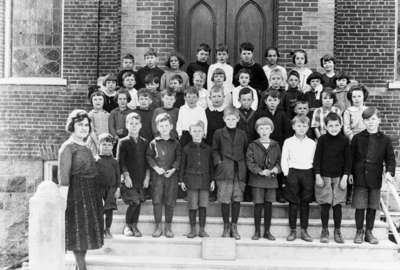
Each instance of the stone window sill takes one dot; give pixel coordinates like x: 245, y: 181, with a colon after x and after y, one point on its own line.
x: 395, y: 85
x: 33, y: 81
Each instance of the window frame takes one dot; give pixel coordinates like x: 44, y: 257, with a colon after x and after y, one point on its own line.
x: 8, y: 79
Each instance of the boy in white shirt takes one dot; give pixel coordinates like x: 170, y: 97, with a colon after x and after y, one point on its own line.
x: 244, y: 80
x: 297, y: 163
x: 188, y: 114
x: 222, y: 56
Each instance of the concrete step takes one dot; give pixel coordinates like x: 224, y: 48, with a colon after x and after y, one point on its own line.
x: 102, y: 262
x: 182, y: 247
x: 279, y: 210
x: 279, y: 227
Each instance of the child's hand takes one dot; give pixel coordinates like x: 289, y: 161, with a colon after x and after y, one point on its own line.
x: 212, y: 185
x: 117, y: 194
x: 159, y: 171
x: 169, y: 172
x: 350, y: 180
x: 319, y: 181
x: 343, y: 182
x: 183, y: 186
x: 128, y: 181
x: 389, y: 178
x: 275, y: 170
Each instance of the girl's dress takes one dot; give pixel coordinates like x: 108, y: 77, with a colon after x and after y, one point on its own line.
x: 84, y: 212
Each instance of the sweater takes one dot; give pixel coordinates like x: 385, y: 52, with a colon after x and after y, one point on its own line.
x: 246, y: 123
x: 258, y: 79
x: 116, y: 122
x: 215, y: 120
x: 108, y: 171
x: 332, y: 156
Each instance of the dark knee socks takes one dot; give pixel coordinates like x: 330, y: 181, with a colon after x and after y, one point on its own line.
x: 267, y: 215
x: 325, y: 215
x: 304, y: 214
x: 202, y: 216
x: 132, y: 213
x: 370, y: 219
x: 359, y: 216
x: 257, y: 215
x: 109, y: 217
x: 225, y: 212
x: 292, y: 215
x: 337, y: 216
x: 192, y: 217
x: 235, y: 211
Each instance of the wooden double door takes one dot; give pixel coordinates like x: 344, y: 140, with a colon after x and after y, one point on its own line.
x: 225, y: 21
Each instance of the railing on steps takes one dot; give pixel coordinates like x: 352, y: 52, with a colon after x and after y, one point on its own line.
x: 392, y: 190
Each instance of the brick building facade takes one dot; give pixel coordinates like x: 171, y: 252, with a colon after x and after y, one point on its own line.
x: 361, y: 34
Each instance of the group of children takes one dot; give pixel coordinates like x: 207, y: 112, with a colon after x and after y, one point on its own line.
x: 241, y: 133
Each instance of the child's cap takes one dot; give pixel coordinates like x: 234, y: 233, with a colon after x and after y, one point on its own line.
x: 106, y: 137
x: 369, y: 111
x: 293, y: 73
x: 264, y: 121
x: 313, y: 76
x: 151, y: 51
x: 326, y: 58
x: 109, y: 77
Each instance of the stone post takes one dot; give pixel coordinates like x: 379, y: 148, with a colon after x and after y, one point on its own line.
x: 47, y: 228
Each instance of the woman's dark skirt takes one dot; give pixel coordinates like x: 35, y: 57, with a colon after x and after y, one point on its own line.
x: 84, y: 215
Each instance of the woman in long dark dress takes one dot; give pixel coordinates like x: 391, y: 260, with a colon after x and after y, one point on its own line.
x: 77, y: 170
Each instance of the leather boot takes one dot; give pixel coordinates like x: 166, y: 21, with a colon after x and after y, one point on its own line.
x: 234, y: 231
x: 305, y: 236
x: 358, y: 239
x: 337, y: 235
x: 157, y: 230
x: 192, y: 233
x: 256, y: 235
x: 203, y: 233
x: 370, y: 238
x: 324, y: 236
x: 168, y: 231
x: 292, y: 235
x: 226, y: 232
x: 136, y: 231
x: 127, y: 231
x: 268, y: 235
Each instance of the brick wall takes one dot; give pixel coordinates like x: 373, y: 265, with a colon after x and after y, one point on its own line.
x: 110, y: 36
x: 308, y: 25
x: 147, y: 23
x: 365, y: 40
x: 388, y: 103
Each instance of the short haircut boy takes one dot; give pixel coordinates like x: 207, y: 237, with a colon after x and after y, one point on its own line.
x: 299, y: 51
x: 127, y: 74
x: 168, y: 92
x: 293, y: 73
x: 176, y: 77
x: 264, y: 121
x: 178, y: 56
x: 129, y: 56
x: 301, y: 119
x: 332, y: 116
x: 245, y: 91
x: 204, y: 47
x: 276, y: 71
x: 243, y: 71
x: 122, y: 92
x: 231, y: 111
x: 133, y: 115
x: 151, y: 51
x: 272, y: 93
x: 197, y: 123
x: 216, y: 89
x: 191, y: 91
x: 144, y: 92
x: 246, y: 46
x: 162, y: 117
x: 222, y: 48
x: 326, y: 58
x: 370, y: 111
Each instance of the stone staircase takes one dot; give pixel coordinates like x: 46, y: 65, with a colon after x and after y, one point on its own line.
x: 123, y: 253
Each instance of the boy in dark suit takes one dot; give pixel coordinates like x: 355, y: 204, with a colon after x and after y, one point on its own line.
x: 229, y: 148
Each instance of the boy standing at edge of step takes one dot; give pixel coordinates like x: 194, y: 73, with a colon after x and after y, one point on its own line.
x: 332, y: 165
x: 196, y: 177
x: 369, y: 150
x: 297, y: 163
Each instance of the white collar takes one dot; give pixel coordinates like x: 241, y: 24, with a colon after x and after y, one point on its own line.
x: 220, y: 109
